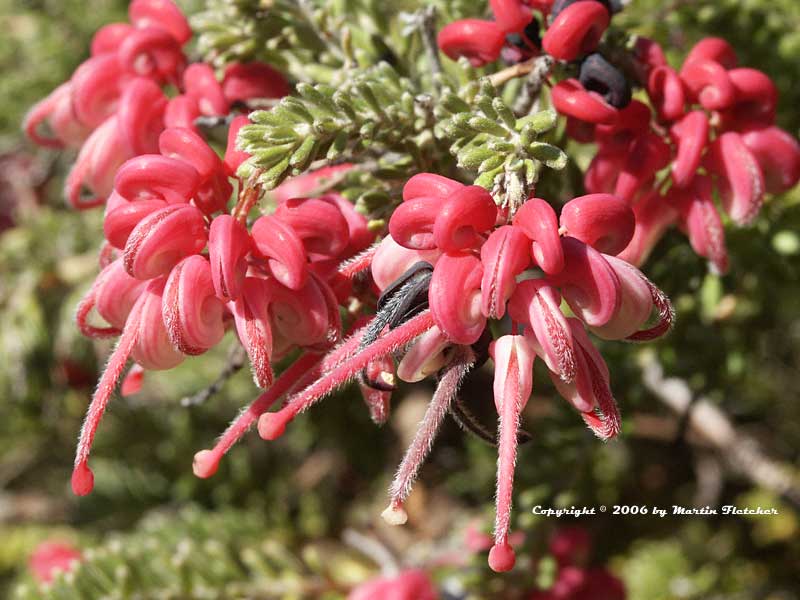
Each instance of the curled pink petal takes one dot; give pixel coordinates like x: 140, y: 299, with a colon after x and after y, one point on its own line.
x: 709, y: 83
x: 511, y: 15
x: 504, y: 255
x: 320, y: 225
x: 778, y: 155
x: 470, y: 212
x: 247, y: 81
x: 537, y: 304
x: 182, y: 111
x: 756, y: 100
x: 601, y: 176
x: 233, y: 157
x: 153, y: 349
x: 152, y: 52
x: 632, y: 121
x: 691, y: 135
x: 392, y: 260
x: 713, y: 48
x: 537, y: 220
x: 636, y: 303
x: 427, y: 185
x: 648, y: 55
x: 603, y: 221
x: 192, y: 313
x: 360, y: 237
x: 425, y: 357
x: 96, y: 87
x: 200, y: 83
x: 700, y: 219
x: 739, y: 178
x: 141, y: 115
x: 251, y: 317
x: 587, y: 283
x: 156, y: 176
x: 572, y: 99
x: 108, y: 38
x: 132, y: 384
x: 122, y: 217
x: 648, y: 155
x: 513, y: 383
x: 308, y: 317
x: 412, y: 223
x: 42, y: 114
x: 113, y: 295
x: 162, y: 239
x: 667, y: 93
x: 654, y: 215
x: 377, y: 392
x: 455, y: 297
x: 576, y: 30
x: 478, y: 41
x: 160, y: 13
x: 214, y: 189
x: 284, y: 250
x: 228, y: 246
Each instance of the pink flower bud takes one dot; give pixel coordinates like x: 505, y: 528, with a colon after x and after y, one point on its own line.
x: 359, y: 235
x: 513, y: 383
x: 427, y: 185
x: 113, y: 295
x: 248, y: 81
x: 601, y: 176
x: 251, y: 317
x: 667, y: 93
x: 708, y: 82
x: 469, y: 213
x: 283, y: 248
x: 107, y: 39
x: 160, y: 13
x: 156, y: 176
x: 308, y: 317
x: 537, y: 304
x: 412, y: 223
x: 654, y: 215
x: 228, y: 246
x: 214, y: 190
x: 587, y: 283
x: 50, y: 557
x: 123, y: 216
x: 153, y: 349
x: 537, y: 220
x: 455, y: 297
x: 713, y: 48
x: 234, y: 157
x: 479, y: 41
x: 392, y: 260
x: 572, y: 99
x: 648, y: 55
x: 701, y: 221
x: 778, y: 156
x: 141, y: 115
x: 691, y: 136
x: 576, y: 31
x: 504, y: 256
x: 152, y: 52
x: 739, y: 178
x: 192, y: 312
x: 408, y: 585
x: 162, y: 239
x: 319, y: 224
x: 511, y: 15
x: 200, y: 83
x: 602, y: 221
x: 426, y: 356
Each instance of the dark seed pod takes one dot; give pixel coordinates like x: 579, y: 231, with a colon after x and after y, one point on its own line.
x: 599, y: 75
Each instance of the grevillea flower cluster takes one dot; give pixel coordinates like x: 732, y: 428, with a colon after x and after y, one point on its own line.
x: 451, y: 278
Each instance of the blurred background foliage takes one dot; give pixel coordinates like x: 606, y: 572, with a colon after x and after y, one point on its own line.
x: 272, y: 520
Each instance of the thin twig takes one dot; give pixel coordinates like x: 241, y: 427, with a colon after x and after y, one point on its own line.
x: 532, y: 88
x: 236, y: 360
x: 427, y: 25
x: 740, y: 451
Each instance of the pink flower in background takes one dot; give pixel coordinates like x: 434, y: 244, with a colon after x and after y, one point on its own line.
x: 52, y: 557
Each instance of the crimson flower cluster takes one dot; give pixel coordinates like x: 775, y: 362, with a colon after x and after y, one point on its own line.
x: 710, y: 126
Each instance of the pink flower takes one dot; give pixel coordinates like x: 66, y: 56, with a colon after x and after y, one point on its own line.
x: 412, y: 584
x: 52, y: 557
